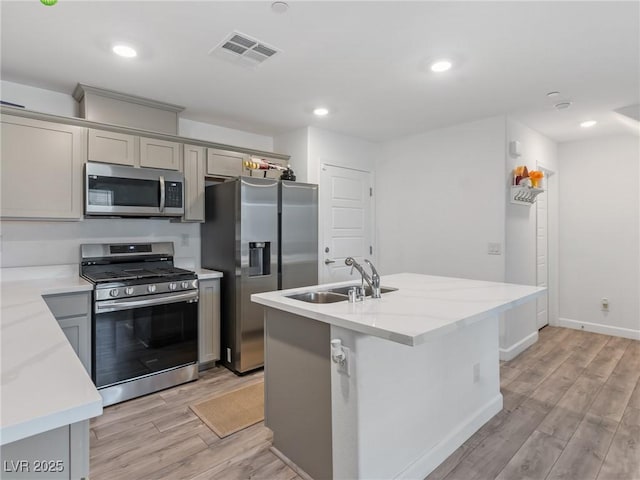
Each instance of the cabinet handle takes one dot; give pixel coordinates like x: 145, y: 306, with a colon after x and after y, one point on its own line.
x: 327, y: 261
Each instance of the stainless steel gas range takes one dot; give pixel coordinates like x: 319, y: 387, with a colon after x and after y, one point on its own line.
x: 144, y: 321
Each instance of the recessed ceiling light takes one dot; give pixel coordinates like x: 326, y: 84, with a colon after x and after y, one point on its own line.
x: 588, y: 123
x: 124, y: 51
x: 279, y: 7
x: 441, y: 66
x: 321, y: 111
x: 553, y: 94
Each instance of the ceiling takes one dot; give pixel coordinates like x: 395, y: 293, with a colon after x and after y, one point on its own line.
x: 366, y: 61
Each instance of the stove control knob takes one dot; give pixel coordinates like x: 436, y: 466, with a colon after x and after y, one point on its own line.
x: 185, y: 284
x: 128, y: 291
x: 114, y: 292
x: 151, y: 288
x: 172, y: 286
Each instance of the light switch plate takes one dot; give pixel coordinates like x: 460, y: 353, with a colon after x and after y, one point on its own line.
x: 494, y: 248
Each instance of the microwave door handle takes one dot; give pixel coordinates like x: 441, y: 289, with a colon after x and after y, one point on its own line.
x: 162, y: 194
x: 114, y: 305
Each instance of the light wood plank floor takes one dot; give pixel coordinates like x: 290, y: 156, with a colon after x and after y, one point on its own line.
x: 571, y: 411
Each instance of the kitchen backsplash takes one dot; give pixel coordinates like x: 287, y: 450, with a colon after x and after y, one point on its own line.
x: 25, y: 244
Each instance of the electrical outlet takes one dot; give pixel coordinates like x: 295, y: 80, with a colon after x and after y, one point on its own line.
x: 494, y: 248
x: 476, y: 372
x: 185, y: 240
x: 604, y: 303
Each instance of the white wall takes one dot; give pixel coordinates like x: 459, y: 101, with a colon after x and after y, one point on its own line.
x: 518, y: 329
x: 230, y: 136
x: 599, y: 234
x: 27, y: 243
x: 38, y: 99
x: 441, y: 200
x: 295, y: 144
x: 339, y: 150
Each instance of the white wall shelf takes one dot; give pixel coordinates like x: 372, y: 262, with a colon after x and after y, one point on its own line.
x: 524, y: 195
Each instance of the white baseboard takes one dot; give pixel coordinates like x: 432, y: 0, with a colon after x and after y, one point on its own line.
x: 438, y: 454
x: 516, y: 349
x: 599, y: 328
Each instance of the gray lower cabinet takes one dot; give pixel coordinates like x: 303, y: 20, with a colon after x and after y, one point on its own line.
x: 62, y: 453
x: 41, y: 169
x: 209, y: 322
x: 194, y: 173
x: 73, y: 313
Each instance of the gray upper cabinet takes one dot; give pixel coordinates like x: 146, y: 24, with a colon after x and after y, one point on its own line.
x: 124, y: 149
x: 194, y: 173
x: 225, y: 163
x: 160, y: 154
x: 112, y: 147
x: 41, y: 169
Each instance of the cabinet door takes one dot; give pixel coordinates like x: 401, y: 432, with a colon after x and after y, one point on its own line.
x: 77, y: 332
x: 160, y: 154
x: 42, y: 169
x: 209, y: 321
x: 53, y: 446
x: 73, y: 313
x: 112, y: 147
x: 225, y: 163
x: 193, y: 183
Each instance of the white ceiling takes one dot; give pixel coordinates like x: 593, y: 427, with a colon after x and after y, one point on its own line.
x: 366, y: 61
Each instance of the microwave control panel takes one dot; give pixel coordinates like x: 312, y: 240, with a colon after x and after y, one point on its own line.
x: 173, y: 194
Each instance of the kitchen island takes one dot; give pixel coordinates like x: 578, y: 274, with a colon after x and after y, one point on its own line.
x: 420, y: 374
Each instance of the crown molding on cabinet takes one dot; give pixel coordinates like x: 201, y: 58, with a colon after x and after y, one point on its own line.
x: 20, y: 112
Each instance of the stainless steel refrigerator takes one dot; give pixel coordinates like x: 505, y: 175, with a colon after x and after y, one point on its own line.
x: 263, y: 235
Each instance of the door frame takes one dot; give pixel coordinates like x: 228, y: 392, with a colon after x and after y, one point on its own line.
x: 550, y: 180
x: 322, y: 211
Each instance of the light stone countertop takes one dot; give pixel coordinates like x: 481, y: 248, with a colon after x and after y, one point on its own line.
x: 423, y: 307
x: 204, y: 274
x: 43, y: 383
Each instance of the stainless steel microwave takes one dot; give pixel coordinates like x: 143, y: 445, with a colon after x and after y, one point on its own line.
x: 123, y: 191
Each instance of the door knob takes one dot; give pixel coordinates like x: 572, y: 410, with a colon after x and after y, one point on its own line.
x: 327, y: 261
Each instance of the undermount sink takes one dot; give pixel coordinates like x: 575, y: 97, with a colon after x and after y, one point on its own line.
x: 338, y: 294
x: 367, y: 290
x: 319, y: 297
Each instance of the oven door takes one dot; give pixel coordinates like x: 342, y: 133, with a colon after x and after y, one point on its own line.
x: 136, y: 337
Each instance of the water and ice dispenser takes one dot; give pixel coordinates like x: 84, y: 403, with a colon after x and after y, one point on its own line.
x: 259, y: 258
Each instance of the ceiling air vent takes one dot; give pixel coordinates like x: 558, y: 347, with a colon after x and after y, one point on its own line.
x: 243, y: 49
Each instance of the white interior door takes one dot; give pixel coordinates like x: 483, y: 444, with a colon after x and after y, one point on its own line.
x: 345, y: 209
x: 542, y: 258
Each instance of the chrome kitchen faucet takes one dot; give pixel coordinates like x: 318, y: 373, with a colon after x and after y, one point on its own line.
x: 373, y: 280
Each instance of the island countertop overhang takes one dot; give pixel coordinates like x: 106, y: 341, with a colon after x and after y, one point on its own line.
x: 423, y: 307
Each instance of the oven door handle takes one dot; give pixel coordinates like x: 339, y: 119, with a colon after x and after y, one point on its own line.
x: 162, y: 299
